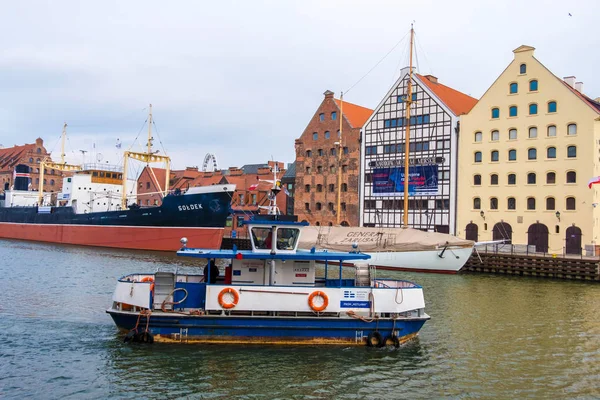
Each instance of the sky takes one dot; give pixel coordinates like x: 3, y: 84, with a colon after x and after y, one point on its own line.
x: 242, y: 79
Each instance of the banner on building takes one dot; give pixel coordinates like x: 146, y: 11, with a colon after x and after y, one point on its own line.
x: 422, y: 181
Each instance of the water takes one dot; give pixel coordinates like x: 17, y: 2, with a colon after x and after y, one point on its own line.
x: 489, y: 337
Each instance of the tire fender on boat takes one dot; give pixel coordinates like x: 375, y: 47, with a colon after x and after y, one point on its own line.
x: 374, y: 339
x: 311, y: 302
x: 234, y: 293
x: 393, y: 339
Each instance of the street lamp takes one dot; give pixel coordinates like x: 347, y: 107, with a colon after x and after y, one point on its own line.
x: 558, y: 215
x: 482, y: 214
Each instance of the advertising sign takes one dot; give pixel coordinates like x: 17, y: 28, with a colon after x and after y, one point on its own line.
x: 422, y: 181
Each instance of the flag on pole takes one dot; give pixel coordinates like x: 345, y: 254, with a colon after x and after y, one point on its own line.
x: 286, y: 191
x: 593, y: 181
x: 254, y: 186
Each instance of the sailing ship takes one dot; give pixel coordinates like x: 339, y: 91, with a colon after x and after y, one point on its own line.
x: 93, y: 208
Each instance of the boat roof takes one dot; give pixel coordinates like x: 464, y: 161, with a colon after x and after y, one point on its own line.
x: 273, y: 222
x: 300, y: 255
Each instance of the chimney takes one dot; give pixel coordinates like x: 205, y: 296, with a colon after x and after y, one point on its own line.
x: 264, y: 171
x: 431, y: 78
x: 328, y: 94
x: 570, y: 80
x: 579, y: 87
x: 235, y: 171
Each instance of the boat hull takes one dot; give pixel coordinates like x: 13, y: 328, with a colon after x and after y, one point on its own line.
x: 451, y: 261
x: 267, y: 329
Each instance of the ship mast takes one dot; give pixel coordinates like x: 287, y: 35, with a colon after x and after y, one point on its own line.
x: 339, y: 167
x: 407, y: 135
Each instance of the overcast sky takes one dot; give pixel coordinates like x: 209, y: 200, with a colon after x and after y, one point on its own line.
x: 241, y: 79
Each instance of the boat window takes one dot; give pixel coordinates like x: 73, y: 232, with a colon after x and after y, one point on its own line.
x: 94, y: 173
x: 287, y: 238
x: 261, y: 238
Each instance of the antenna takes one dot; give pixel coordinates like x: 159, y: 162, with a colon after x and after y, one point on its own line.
x: 83, y: 155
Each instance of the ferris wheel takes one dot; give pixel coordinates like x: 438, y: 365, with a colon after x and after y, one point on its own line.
x: 207, y: 158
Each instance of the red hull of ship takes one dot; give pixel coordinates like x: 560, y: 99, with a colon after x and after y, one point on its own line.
x: 122, y: 237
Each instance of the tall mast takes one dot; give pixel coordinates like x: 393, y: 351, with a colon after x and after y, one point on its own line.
x: 407, y: 135
x: 62, y: 144
x: 149, y: 132
x: 339, y: 167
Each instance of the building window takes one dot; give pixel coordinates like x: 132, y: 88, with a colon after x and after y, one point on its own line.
x: 572, y: 129
x: 532, y: 132
x: 551, y: 130
x: 442, y: 204
x: 477, y: 203
x: 478, y: 136
x: 368, y: 178
x: 493, y: 203
x: 494, y: 179
x: 307, y: 188
x: 371, y: 150
x: 320, y: 152
x: 512, y: 155
x: 333, y: 115
x: 523, y: 68
x: 533, y: 85
x: 147, y: 185
x: 512, y: 134
x: 37, y: 160
x: 308, y: 170
x: 477, y: 156
x: 254, y: 199
x: 551, y: 178
x: 531, y: 203
x: 315, y: 136
x: 31, y: 160
x: 443, y: 175
x: 514, y: 88
x: 319, y: 169
x: 495, y: 136
x: 306, y: 207
x: 39, y: 150
x: 242, y: 199
x: 332, y: 151
x: 572, y: 151
x: 495, y: 113
x: 322, y: 117
x: 512, y: 111
x: 339, y: 134
x: 51, y: 182
x: 495, y: 155
x: 512, y: 179
x: 531, y: 178
x: 308, y: 153
x: 345, y: 149
x: 343, y: 206
x: 551, y: 106
x: 570, y: 203
x: 512, y: 203
x: 571, y: 177
x: 370, y: 204
x: 319, y: 188
x: 477, y: 180
x: 344, y: 187
x: 327, y: 135
x: 533, y: 109
x: 551, y: 152
x: 550, y: 204
x: 330, y: 206
x: 532, y: 154
x: 318, y: 206
x: 332, y: 169
x: 344, y: 168
x: 331, y: 187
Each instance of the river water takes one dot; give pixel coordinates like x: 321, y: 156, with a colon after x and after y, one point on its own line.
x: 488, y: 337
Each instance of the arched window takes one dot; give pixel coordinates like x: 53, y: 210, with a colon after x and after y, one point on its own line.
x: 344, y: 187
x: 477, y: 180
x: 327, y: 134
x: 533, y: 109
x: 512, y: 111
x: 531, y: 178
x: 572, y: 129
x: 532, y: 154
x: 551, y: 106
x: 495, y: 112
x: 478, y: 136
x: 495, y: 136
x: 477, y: 203
x: 318, y: 206
x: 315, y: 136
x: 513, y: 88
x: 332, y: 151
x: 51, y: 182
x: 551, y: 130
x: 493, y: 179
x: 551, y: 178
x: 319, y: 169
x: 330, y: 206
x: 572, y: 151
x: 511, y: 203
x: 532, y: 132
x: 531, y: 203
x: 39, y: 150
x: 307, y: 188
x: 31, y: 160
x: 512, y: 179
x: 493, y: 203
x: 523, y: 68
x: 320, y: 152
x: 551, y: 152
x: 319, y: 188
x: 317, y: 223
x: 512, y: 155
x: 550, y: 203
x: 533, y: 85
x: 512, y: 134
x: 477, y: 156
x: 570, y: 203
x: 571, y: 177
x: 495, y: 155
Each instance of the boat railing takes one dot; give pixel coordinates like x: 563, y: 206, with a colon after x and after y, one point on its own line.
x: 394, y: 284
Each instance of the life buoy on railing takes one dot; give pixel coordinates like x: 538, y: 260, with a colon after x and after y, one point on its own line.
x: 311, y: 301
x: 149, y: 279
x: 231, y: 304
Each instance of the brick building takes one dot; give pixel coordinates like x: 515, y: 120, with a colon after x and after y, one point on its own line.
x: 317, y: 164
x: 30, y: 155
x: 152, y: 181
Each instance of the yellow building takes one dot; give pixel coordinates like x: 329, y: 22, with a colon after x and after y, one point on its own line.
x: 527, y: 151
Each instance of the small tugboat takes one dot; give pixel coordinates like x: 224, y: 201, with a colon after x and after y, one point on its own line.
x: 273, y: 293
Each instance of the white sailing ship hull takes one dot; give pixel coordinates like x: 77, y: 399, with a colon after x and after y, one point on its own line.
x: 450, y: 262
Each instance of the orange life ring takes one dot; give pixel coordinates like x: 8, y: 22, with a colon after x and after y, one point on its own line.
x: 234, y: 293
x: 149, y: 279
x: 311, y: 302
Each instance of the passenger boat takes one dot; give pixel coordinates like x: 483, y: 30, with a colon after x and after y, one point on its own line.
x: 273, y: 293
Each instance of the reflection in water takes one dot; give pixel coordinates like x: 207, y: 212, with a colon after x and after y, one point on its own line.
x: 489, y: 336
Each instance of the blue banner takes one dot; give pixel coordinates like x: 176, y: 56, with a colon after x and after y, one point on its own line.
x: 423, y: 181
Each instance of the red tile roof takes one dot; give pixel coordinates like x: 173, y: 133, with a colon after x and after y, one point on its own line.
x: 592, y: 103
x: 10, y: 156
x: 356, y: 115
x: 456, y: 101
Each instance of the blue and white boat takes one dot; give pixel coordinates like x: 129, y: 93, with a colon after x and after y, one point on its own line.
x: 273, y: 293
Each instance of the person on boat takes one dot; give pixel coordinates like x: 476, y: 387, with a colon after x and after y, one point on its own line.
x: 268, y: 240
x: 214, y: 271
